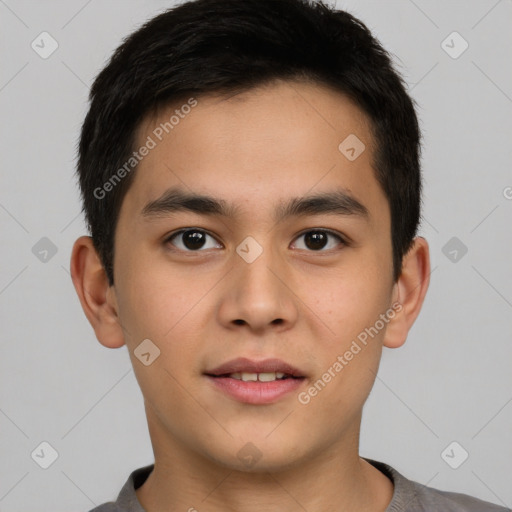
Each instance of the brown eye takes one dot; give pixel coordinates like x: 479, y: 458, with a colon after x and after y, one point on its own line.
x: 193, y: 240
x: 317, y: 240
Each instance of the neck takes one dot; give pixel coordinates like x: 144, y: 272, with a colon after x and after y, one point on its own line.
x: 337, y: 479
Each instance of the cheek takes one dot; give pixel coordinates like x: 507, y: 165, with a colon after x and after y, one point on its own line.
x: 161, y: 302
x: 149, y: 302
x: 156, y: 304
x: 349, y: 359
x: 352, y: 298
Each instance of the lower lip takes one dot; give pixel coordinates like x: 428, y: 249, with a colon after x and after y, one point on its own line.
x: 256, y: 392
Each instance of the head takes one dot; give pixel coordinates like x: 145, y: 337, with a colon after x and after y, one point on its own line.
x: 282, y: 121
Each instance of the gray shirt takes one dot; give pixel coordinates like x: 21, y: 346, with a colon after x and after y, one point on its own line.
x: 408, y: 496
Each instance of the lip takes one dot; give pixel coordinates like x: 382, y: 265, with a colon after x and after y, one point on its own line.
x: 255, y: 392
x: 242, y: 364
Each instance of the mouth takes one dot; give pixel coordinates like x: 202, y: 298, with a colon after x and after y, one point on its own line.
x: 241, y: 366
x: 256, y: 382
x: 256, y: 377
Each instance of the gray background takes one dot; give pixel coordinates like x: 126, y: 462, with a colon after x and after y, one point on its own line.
x: 451, y: 381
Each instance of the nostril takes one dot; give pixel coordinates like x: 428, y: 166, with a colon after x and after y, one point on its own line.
x: 239, y: 321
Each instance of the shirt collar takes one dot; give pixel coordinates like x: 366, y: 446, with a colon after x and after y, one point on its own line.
x: 403, y: 489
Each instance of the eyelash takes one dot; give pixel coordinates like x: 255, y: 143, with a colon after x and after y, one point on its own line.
x: 333, y: 234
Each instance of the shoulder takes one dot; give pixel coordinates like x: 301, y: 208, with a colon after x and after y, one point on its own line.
x: 411, y: 496
x: 127, y: 499
x: 108, y: 507
x: 430, y: 499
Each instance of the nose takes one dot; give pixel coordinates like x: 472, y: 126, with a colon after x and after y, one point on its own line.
x: 257, y: 296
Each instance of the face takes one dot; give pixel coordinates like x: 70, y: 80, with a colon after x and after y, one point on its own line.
x: 260, y: 271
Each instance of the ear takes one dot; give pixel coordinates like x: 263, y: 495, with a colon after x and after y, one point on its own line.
x: 409, y: 292
x: 96, y: 296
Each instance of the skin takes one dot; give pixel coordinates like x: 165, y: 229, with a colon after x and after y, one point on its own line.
x: 203, y: 308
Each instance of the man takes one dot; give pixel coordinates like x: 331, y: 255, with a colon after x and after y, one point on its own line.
x: 250, y: 176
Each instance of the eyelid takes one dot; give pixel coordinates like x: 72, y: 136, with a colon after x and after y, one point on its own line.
x: 324, y: 230
x: 342, y: 239
x: 174, y: 234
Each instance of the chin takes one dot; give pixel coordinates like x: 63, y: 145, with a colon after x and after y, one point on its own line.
x: 266, y: 463
x: 258, y: 453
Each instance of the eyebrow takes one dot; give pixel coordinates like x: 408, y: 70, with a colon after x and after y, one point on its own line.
x: 337, y: 202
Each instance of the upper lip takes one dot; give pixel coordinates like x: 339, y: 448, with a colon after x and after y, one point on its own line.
x: 242, y: 365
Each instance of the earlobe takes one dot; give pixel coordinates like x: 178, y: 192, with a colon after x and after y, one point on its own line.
x: 409, y: 292
x: 96, y: 296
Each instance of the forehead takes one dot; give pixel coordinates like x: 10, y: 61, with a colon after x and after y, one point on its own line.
x: 284, y: 139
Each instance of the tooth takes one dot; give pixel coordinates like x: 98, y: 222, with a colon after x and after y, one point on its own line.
x: 267, y: 377
x: 249, y: 376
x: 236, y: 376
x: 279, y: 375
